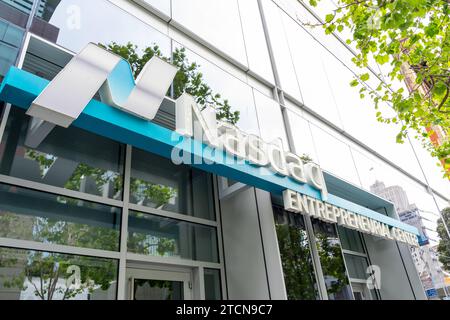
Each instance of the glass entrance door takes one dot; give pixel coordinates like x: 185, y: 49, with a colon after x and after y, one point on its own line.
x: 158, y: 285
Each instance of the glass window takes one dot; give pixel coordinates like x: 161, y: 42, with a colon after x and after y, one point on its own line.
x: 147, y: 289
x: 217, y: 22
x: 48, y: 218
x: 13, y: 36
x: 157, y: 236
x: 434, y: 173
x: 23, y: 6
x: 36, y: 275
x: 281, y: 50
x: 213, y: 288
x: 10, y: 41
x: 310, y: 59
x: 299, y: 275
x: 3, y: 28
x: 408, y: 196
x: 302, y: 136
x: 332, y: 261
x: 238, y: 94
x: 45, y: 63
x: 359, y: 120
x: 7, y: 58
x: 158, y: 183
x: 334, y: 155
x: 356, y: 266
x: 351, y: 240
x: 270, y: 119
x: 298, y: 12
x: 255, y: 40
x: 69, y: 158
x: 77, y: 23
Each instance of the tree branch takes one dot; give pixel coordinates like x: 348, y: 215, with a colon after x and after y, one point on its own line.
x: 40, y: 294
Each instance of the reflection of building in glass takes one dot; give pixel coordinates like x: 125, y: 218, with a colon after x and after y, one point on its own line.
x: 407, y: 212
x: 18, y: 11
x: 412, y: 217
x: 41, y: 23
x: 44, y: 11
x: 425, y: 257
x: 395, y: 194
x: 22, y: 5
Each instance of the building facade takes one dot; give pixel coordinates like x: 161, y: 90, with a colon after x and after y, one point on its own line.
x: 87, y: 216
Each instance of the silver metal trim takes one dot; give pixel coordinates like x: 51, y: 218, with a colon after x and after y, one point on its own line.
x: 122, y: 274
x: 173, y: 261
x: 4, y: 120
x: 320, y: 279
x: 47, y: 247
x: 172, y: 215
x: 219, y: 236
x: 229, y: 192
x: 28, y: 184
x: 355, y: 253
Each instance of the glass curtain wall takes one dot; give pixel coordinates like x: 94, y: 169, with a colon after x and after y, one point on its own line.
x: 44, y: 200
x: 13, y: 20
x: 357, y: 263
x: 297, y: 261
x: 315, y: 69
x: 332, y: 261
x: 69, y: 192
x: 295, y: 253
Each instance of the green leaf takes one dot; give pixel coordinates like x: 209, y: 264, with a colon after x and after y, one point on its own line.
x: 364, y: 77
x: 354, y: 83
x: 329, y: 17
x: 440, y: 88
x: 330, y: 29
x: 432, y: 29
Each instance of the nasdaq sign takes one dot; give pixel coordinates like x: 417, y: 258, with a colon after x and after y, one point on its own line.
x: 95, y: 69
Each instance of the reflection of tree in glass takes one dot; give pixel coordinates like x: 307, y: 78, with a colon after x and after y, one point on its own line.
x: 306, y: 158
x: 75, y: 234
x: 101, y: 177
x: 47, y: 273
x: 167, y: 294
x: 150, y: 244
x: 54, y: 230
x: 332, y: 262
x: 157, y: 194
x: 64, y: 230
x: 188, y: 79
x: 45, y: 161
x: 48, y: 268
x: 296, y: 261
